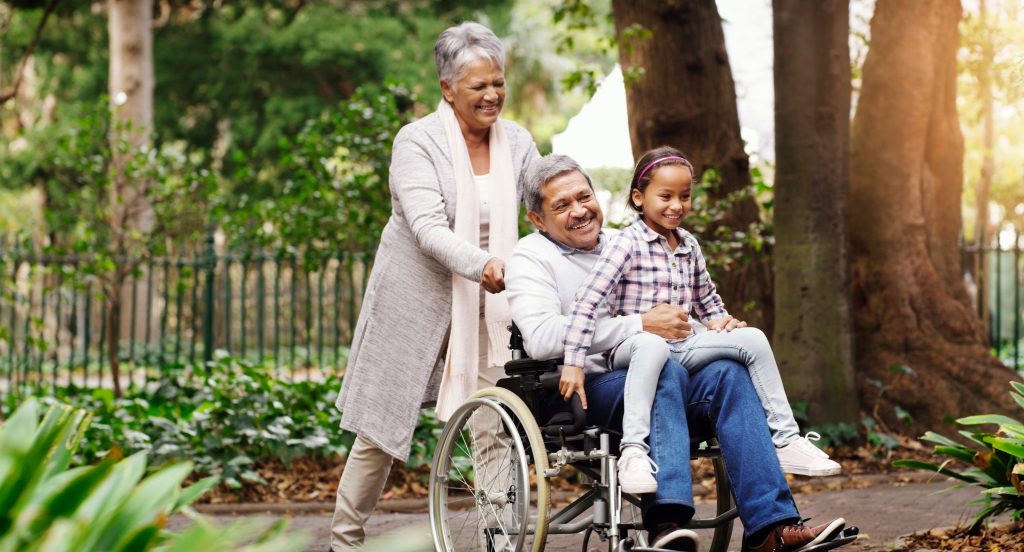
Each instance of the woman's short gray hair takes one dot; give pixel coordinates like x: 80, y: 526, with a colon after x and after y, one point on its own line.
x: 544, y: 170
x: 462, y: 44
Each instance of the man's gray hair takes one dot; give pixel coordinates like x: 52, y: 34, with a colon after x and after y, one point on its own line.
x: 462, y: 44
x: 544, y: 170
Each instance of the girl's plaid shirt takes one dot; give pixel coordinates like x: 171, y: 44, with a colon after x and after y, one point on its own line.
x: 635, y: 273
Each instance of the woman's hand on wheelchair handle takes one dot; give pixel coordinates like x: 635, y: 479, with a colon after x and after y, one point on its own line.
x: 572, y: 382
x: 493, y: 278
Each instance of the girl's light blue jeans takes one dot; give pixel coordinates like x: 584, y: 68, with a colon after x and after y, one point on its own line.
x: 644, y: 354
x: 716, y: 400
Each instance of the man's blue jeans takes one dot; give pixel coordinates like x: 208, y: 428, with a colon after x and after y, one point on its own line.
x: 717, y: 400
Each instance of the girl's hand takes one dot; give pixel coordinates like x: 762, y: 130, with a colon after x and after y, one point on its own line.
x: 493, y: 279
x: 727, y: 323
x: 572, y: 382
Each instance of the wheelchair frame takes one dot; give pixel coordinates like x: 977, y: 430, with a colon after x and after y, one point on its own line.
x: 516, y: 402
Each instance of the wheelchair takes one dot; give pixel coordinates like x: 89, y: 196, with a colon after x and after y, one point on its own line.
x: 489, y: 487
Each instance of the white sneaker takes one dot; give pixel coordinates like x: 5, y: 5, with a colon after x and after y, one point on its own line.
x: 636, y: 471
x: 801, y: 457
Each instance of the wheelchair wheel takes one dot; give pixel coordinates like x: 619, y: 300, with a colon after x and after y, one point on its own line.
x: 723, y: 533
x: 482, y: 492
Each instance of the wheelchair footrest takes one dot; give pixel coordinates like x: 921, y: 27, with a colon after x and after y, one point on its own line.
x: 846, y: 536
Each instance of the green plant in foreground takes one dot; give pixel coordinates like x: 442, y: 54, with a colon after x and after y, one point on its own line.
x: 111, y: 506
x: 996, y: 459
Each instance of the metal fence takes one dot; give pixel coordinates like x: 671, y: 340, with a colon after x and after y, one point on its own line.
x: 997, y: 294
x: 293, y: 310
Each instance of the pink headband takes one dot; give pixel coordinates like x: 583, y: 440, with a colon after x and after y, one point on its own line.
x: 656, y: 161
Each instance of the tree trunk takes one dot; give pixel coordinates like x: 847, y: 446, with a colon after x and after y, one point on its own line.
x: 687, y: 99
x: 812, y: 134
x: 980, y: 267
x: 131, y: 96
x: 909, y: 303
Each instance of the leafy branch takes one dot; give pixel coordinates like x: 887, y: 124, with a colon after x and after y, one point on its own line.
x: 51, y: 6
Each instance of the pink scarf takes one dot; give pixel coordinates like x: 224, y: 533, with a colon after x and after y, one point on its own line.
x: 462, y: 361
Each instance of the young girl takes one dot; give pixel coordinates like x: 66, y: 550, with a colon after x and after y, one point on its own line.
x: 655, y: 261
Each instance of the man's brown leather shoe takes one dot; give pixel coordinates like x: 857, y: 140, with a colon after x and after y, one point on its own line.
x: 793, y: 538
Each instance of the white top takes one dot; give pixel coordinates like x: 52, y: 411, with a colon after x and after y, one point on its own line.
x: 483, y: 191
x: 541, y: 279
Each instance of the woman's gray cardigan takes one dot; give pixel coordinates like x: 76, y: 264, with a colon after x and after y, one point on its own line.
x: 402, y: 332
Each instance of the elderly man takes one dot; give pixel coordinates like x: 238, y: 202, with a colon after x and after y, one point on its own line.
x: 542, y: 277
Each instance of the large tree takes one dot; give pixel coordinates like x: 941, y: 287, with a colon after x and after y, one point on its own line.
x: 686, y: 98
x: 812, y: 133
x: 131, y: 84
x: 909, y: 303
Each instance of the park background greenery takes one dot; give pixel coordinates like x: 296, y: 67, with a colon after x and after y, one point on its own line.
x: 272, y: 123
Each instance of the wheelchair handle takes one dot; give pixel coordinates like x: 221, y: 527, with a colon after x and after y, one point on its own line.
x: 579, y: 416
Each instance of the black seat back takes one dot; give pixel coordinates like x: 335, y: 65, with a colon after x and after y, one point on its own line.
x: 530, y: 379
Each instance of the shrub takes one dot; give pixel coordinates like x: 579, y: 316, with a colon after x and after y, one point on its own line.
x: 996, y: 460
x: 111, y: 506
x: 221, y: 421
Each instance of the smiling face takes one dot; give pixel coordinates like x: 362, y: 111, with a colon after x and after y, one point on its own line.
x: 477, y: 95
x: 666, y: 199
x: 569, y: 213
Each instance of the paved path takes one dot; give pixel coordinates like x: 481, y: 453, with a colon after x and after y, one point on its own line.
x: 882, y: 512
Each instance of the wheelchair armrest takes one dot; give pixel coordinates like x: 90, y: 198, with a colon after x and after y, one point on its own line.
x: 528, y: 366
x: 567, y: 423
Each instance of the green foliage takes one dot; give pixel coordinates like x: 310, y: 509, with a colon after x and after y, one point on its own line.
x: 586, y: 29
x: 835, y: 434
x: 330, y: 188
x: 724, y: 246
x: 877, y: 436
x: 424, y: 440
x: 222, y: 421
x: 73, y: 163
x: 110, y: 506
x: 995, y: 460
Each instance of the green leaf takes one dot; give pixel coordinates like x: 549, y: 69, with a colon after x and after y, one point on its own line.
x: 1001, y: 491
x: 65, y: 499
x: 997, y: 419
x: 153, y: 497
x: 960, y: 453
x: 1013, y: 447
x: 940, y: 439
x: 191, y: 493
x: 928, y: 466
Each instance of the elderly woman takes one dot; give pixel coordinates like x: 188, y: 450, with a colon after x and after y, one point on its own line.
x: 455, y: 187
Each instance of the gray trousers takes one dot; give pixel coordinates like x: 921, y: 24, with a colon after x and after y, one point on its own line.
x: 367, y: 468
x: 644, y: 354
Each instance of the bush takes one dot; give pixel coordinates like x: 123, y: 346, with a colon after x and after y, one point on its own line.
x: 221, y: 420
x: 111, y: 506
x: 996, y: 460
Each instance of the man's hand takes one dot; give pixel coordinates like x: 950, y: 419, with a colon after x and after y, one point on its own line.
x: 667, y: 321
x: 727, y: 323
x: 572, y: 382
x: 493, y: 279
